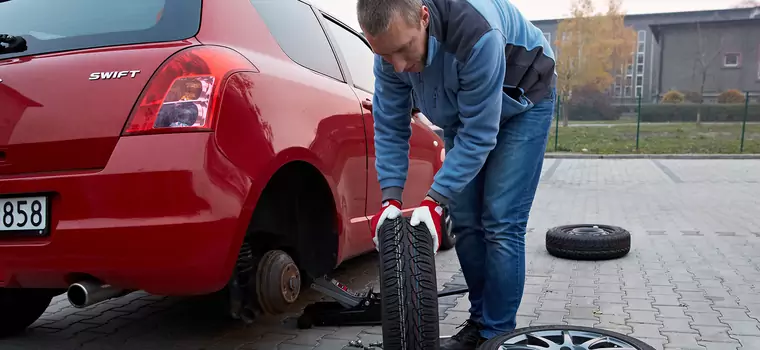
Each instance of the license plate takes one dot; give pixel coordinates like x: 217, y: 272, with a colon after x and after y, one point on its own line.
x: 23, y: 214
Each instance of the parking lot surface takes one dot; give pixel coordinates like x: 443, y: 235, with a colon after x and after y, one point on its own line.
x: 691, y: 280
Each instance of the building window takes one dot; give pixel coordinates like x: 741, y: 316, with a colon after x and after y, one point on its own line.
x: 731, y: 60
x: 642, y: 36
x: 640, y: 57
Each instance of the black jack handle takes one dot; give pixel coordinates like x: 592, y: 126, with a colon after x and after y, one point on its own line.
x: 458, y: 291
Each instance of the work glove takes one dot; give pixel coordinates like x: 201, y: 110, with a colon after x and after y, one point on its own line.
x: 390, y: 209
x: 434, y: 217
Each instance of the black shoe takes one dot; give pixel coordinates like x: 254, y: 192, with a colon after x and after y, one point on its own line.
x: 468, y: 338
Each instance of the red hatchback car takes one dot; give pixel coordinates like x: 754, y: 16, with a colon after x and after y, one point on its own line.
x: 184, y: 147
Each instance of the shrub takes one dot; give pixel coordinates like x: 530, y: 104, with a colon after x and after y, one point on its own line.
x: 588, y: 103
x: 692, y: 96
x: 731, y: 96
x: 673, y: 96
x: 688, y: 112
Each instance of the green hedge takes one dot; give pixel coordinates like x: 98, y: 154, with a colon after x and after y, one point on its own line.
x: 592, y: 112
x: 688, y: 112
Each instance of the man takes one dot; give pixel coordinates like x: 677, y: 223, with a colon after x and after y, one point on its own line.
x: 484, y: 74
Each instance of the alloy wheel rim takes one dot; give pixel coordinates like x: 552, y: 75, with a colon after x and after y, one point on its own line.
x: 560, y: 339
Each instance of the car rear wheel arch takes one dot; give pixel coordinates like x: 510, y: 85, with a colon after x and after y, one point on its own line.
x: 296, y: 213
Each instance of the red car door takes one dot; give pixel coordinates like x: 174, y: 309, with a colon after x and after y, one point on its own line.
x: 425, y: 145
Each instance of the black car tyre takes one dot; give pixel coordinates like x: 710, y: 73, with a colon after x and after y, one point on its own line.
x: 448, y: 239
x: 19, y: 308
x: 409, y: 297
x: 588, y: 242
x: 563, y: 337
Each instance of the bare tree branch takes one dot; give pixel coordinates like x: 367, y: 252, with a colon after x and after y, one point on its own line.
x: 705, y: 62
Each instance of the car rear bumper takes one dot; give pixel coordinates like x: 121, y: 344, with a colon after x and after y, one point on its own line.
x: 165, y: 215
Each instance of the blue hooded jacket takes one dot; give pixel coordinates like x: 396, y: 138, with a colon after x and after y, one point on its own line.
x: 485, y: 63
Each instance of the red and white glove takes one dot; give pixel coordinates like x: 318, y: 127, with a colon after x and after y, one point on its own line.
x: 431, y: 214
x: 390, y: 210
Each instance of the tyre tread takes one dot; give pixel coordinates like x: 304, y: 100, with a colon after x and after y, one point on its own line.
x: 408, y: 287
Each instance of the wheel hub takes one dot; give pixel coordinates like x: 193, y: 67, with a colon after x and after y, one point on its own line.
x: 290, y: 283
x: 278, y: 282
x: 592, y: 231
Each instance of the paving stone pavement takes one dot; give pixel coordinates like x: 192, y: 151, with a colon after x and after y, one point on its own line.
x: 691, y: 281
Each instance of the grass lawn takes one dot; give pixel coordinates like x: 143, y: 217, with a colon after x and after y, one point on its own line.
x: 671, y: 138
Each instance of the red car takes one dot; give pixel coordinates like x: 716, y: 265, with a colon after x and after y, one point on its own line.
x: 183, y: 147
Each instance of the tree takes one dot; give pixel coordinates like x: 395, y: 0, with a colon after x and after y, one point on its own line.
x: 589, y: 47
x: 622, y: 40
x: 703, y: 60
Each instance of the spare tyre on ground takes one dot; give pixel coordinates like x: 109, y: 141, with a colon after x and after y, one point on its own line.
x: 588, y: 242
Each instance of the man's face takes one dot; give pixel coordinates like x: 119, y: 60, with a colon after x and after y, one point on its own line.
x: 403, y: 45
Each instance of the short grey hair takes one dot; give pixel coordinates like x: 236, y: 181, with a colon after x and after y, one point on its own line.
x: 375, y: 15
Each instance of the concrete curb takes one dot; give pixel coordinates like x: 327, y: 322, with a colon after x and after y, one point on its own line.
x: 650, y: 156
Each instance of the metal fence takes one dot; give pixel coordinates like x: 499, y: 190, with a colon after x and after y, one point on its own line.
x: 662, y: 128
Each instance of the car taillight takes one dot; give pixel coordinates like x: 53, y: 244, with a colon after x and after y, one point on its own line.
x: 183, y: 94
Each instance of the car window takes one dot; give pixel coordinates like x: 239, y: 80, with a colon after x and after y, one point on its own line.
x: 56, y: 26
x: 359, y: 56
x: 296, y: 28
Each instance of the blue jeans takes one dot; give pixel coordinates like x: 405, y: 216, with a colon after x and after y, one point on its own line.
x: 490, y: 217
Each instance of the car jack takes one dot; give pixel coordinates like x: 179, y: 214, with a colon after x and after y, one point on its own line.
x: 349, y: 308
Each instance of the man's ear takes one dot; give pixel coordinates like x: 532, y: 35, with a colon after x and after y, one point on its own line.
x: 424, y: 16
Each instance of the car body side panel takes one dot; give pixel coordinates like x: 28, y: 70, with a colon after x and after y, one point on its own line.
x: 259, y: 134
x: 289, y: 113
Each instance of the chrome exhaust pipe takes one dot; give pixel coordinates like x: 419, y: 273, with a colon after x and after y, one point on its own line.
x: 85, y: 293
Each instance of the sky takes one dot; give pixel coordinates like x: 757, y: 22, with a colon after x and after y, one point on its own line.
x: 550, y: 9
